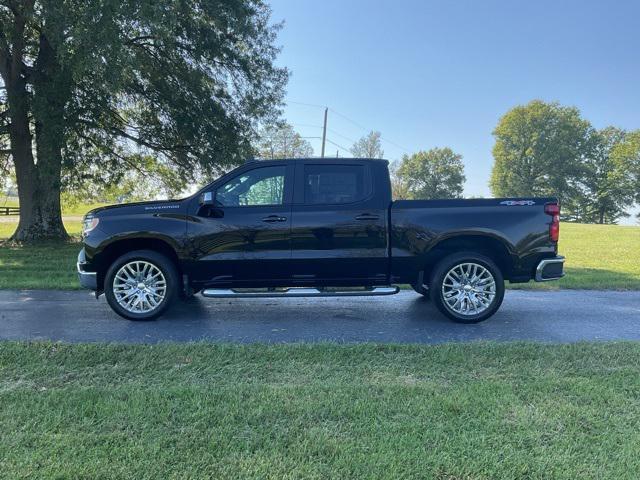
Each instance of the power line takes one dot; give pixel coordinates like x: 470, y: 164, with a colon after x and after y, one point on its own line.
x: 308, y: 125
x: 395, y: 144
x: 307, y: 104
x: 368, y: 130
x: 349, y: 120
x: 341, y: 136
x: 337, y: 145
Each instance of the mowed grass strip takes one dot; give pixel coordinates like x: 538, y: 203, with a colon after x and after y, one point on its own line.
x: 44, y: 265
x: 319, y: 411
x: 48, y: 265
x: 7, y: 228
x: 598, y: 257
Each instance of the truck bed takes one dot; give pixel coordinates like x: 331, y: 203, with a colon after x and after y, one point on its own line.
x: 423, y: 230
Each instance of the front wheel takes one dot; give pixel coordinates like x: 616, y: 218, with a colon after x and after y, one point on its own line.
x: 467, y: 287
x: 141, y: 285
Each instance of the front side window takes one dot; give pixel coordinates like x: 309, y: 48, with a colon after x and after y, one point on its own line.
x: 334, y: 184
x: 260, y: 186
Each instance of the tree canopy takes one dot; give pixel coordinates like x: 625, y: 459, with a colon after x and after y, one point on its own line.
x: 92, y: 86
x: 368, y: 146
x: 435, y: 173
x: 280, y: 140
x: 604, y: 190
x: 539, y: 150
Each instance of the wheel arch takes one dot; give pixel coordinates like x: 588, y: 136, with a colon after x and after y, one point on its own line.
x: 489, y: 246
x: 119, y: 247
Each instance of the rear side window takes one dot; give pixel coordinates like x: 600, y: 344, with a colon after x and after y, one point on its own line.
x: 335, y: 184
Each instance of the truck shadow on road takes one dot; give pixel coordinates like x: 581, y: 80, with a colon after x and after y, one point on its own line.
x: 416, y: 312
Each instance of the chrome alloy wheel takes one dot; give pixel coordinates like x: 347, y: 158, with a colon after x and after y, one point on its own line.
x: 139, y: 287
x: 468, y: 289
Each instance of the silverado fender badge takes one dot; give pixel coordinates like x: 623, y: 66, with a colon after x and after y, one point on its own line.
x: 161, y: 207
x: 512, y: 203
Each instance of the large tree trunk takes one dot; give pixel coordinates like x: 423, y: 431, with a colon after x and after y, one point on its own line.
x: 39, y: 183
x: 39, y: 195
x: 38, y: 192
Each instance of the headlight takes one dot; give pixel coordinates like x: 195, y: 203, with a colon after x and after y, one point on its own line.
x: 89, y: 223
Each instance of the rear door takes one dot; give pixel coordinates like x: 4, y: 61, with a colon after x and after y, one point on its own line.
x: 339, y: 224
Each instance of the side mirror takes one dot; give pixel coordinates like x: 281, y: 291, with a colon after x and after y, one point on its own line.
x: 207, y: 199
x: 209, y: 207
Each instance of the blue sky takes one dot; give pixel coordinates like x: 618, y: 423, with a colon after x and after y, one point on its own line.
x: 441, y: 73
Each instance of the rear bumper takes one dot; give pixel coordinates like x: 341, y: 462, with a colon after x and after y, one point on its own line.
x: 550, y: 269
x: 86, y: 278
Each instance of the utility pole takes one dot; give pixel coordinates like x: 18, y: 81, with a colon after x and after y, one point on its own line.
x: 324, y: 132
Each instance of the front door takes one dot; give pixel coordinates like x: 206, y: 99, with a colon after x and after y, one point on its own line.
x: 245, y: 238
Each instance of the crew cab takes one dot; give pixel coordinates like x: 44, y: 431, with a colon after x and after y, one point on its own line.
x: 317, y: 227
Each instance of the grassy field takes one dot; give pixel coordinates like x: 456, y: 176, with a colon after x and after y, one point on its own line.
x: 598, y: 257
x: 320, y: 411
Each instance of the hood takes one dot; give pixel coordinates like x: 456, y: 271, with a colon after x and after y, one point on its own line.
x: 155, y: 206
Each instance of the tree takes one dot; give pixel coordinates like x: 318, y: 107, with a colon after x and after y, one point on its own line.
x: 435, y: 173
x: 539, y: 150
x: 399, y: 189
x: 627, y: 156
x: 368, y: 146
x: 605, y: 190
x: 280, y: 140
x: 106, y: 82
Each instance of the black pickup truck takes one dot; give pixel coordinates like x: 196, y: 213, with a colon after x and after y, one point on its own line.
x: 317, y: 227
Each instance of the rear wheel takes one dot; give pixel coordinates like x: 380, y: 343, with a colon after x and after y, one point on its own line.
x: 141, y: 285
x: 467, y: 287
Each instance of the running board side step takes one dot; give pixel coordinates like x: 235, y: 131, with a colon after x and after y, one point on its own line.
x: 297, y: 292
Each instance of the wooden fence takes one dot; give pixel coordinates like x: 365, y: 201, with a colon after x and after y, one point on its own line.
x: 9, y: 210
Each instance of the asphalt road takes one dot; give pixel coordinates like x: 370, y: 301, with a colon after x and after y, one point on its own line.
x: 561, y: 316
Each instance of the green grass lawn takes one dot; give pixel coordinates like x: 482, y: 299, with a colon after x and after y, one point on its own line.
x: 598, y: 257
x: 320, y: 411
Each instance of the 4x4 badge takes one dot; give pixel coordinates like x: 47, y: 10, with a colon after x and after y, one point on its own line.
x: 512, y: 203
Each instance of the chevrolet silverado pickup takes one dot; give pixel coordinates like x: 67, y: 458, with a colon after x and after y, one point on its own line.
x: 317, y: 227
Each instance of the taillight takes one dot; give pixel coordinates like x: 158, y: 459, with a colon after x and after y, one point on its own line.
x: 553, y: 209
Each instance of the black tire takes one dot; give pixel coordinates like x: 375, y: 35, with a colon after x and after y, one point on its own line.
x: 162, y: 263
x: 421, y: 290
x: 445, y: 265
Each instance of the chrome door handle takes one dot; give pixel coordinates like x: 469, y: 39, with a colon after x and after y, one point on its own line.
x: 274, y: 218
